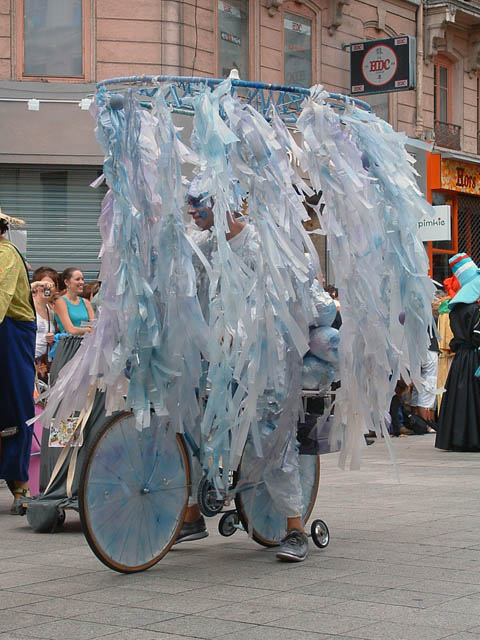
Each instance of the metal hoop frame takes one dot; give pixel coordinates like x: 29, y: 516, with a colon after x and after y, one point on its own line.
x: 286, y: 99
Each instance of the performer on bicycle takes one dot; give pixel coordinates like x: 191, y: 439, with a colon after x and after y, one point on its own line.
x: 283, y: 479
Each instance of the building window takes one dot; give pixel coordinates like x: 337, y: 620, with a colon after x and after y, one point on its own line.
x: 447, y: 134
x: 478, y: 115
x: 52, y: 39
x: 441, y: 92
x: 380, y: 104
x: 233, y: 37
x: 297, y: 49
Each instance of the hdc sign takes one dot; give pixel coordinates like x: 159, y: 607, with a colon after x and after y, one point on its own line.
x: 380, y: 66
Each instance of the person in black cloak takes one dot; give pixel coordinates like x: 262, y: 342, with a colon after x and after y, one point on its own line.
x: 459, y: 421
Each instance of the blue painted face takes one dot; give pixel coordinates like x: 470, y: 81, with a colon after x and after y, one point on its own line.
x: 201, y: 212
x: 200, y: 207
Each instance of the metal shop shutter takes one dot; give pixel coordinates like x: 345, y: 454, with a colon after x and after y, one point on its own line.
x: 61, y: 211
x: 469, y: 226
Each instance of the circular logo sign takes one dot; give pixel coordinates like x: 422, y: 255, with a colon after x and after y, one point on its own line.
x: 379, y: 65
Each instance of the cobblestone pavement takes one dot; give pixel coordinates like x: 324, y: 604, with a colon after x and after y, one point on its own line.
x: 403, y: 563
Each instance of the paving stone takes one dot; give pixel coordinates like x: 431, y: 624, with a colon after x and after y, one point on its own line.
x: 141, y: 634
x: 251, y: 611
x: 68, y: 630
x: 319, y: 623
x: 417, y: 599
x: 271, y: 633
x: 232, y: 593
x: 150, y: 582
x: 464, y: 635
x: 11, y: 599
x: 66, y: 607
x: 397, y: 631
x: 438, y: 617
x: 294, y: 580
x: 11, y: 620
x: 124, y: 616
x: 446, y: 588
x: 469, y: 604
x: 294, y: 601
x: 197, y: 627
x: 62, y: 587
x: 34, y: 575
x: 185, y: 603
x: 377, y: 580
x: 116, y: 595
x: 340, y: 589
x: 368, y: 610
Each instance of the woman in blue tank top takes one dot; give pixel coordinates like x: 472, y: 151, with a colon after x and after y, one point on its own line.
x: 71, y: 309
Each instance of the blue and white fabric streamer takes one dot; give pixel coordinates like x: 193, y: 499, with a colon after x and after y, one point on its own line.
x: 149, y: 321
x: 260, y: 302
x: 372, y: 205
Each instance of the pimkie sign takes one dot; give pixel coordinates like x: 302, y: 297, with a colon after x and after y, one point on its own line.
x: 381, y: 66
x: 437, y: 227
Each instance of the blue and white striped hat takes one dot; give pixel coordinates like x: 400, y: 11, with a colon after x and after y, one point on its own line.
x: 468, y: 275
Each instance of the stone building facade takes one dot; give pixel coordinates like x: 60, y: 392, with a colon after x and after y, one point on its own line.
x: 55, y: 50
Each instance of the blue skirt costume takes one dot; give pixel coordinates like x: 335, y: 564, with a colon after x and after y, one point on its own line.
x: 17, y: 378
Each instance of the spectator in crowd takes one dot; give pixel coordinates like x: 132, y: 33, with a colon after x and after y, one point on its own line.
x: 17, y: 373
x: 398, y: 428
x: 423, y: 399
x: 90, y: 290
x: 445, y: 356
x: 333, y: 291
x: 71, y: 310
x: 44, y: 288
x: 459, y: 421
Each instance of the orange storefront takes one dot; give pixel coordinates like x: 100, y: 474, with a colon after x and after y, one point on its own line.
x: 454, y: 182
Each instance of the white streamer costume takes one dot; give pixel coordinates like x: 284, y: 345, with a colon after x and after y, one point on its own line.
x: 281, y: 476
x: 260, y: 304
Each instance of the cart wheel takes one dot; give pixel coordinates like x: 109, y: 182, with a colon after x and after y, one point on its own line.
x: 256, y: 510
x: 133, y: 493
x: 228, y: 523
x: 208, y: 501
x: 320, y: 534
x: 61, y: 515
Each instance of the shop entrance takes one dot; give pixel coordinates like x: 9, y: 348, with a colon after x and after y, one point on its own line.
x: 465, y: 233
x: 469, y: 226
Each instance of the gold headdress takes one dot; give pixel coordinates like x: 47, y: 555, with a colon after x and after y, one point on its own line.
x: 13, y: 221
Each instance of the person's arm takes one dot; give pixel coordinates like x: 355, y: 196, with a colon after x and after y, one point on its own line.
x: 61, y: 310
x: 10, y: 265
x: 91, y: 312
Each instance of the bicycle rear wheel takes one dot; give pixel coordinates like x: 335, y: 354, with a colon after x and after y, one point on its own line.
x: 133, y: 493
x: 256, y: 510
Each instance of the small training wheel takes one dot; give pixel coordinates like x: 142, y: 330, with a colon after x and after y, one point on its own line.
x: 60, y: 517
x: 208, y: 501
x: 320, y: 534
x: 228, y: 523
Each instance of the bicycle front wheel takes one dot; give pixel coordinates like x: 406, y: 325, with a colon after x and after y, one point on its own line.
x: 133, y: 493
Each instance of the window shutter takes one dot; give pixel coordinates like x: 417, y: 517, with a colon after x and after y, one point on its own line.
x: 61, y: 211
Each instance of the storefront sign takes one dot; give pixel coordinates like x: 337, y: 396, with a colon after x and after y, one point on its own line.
x: 437, y: 227
x: 460, y: 176
x: 380, y: 66
x: 230, y: 37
